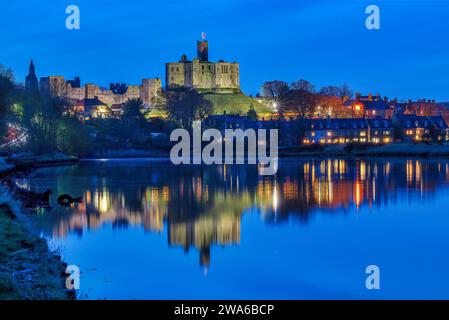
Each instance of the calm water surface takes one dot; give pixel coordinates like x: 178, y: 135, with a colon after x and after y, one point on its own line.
x: 151, y: 230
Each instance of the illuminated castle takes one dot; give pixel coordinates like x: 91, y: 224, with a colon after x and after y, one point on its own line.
x: 202, y: 74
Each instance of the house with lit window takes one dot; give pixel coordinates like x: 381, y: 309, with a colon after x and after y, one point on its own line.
x: 330, y: 131
x: 413, y: 127
x: 316, y: 131
x: 370, y: 106
x: 381, y: 130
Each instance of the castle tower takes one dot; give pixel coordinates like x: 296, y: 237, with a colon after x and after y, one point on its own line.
x: 31, y: 84
x: 202, y: 50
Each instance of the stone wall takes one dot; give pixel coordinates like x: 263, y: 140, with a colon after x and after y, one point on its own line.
x: 57, y: 86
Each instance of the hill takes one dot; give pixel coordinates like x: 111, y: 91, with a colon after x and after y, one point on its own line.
x: 235, y: 103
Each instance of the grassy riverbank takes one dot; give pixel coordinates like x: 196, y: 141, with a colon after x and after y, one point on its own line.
x: 28, y: 269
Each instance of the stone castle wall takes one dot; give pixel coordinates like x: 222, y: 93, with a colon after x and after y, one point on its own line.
x: 57, y: 86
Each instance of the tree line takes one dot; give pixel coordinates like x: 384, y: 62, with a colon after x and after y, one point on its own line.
x: 300, y: 98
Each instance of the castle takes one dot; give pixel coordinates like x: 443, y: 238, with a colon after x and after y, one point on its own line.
x: 200, y: 74
x: 203, y: 75
x: 118, y: 93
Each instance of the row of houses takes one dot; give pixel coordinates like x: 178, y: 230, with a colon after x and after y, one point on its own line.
x: 374, y: 106
x: 342, y: 130
x: 332, y: 131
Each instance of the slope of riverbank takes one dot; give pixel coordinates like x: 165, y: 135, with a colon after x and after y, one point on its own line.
x: 28, y: 159
x: 28, y: 269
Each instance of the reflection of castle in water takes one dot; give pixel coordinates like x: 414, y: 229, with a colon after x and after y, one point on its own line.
x: 202, y: 206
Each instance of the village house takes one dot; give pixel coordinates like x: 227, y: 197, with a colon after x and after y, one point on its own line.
x: 370, y: 106
x: 380, y: 130
x: 96, y: 108
x: 413, y: 127
x: 422, y: 128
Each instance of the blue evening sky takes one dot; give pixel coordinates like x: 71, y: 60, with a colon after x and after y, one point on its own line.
x: 324, y: 41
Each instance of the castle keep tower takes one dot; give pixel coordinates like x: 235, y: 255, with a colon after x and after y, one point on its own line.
x: 202, y: 50
x: 203, y: 75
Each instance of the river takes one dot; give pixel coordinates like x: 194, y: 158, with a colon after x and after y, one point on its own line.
x: 150, y: 230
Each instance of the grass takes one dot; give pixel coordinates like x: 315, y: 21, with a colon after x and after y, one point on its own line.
x: 235, y: 103
x: 28, y: 270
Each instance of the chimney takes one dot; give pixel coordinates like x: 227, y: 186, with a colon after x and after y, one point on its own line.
x: 370, y: 96
x: 386, y: 100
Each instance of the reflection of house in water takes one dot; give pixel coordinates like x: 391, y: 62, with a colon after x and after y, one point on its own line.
x: 339, y: 184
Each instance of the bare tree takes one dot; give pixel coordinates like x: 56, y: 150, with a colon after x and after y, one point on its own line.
x: 275, y: 89
x: 342, y: 91
x: 303, y: 85
x: 346, y: 91
x: 300, y: 102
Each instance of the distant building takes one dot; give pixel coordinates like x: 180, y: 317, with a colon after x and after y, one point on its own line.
x: 31, y: 84
x: 96, y: 108
x: 117, y: 110
x: 202, y: 74
x: 370, y: 106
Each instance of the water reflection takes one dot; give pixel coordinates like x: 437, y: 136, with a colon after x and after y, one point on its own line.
x: 202, y: 206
